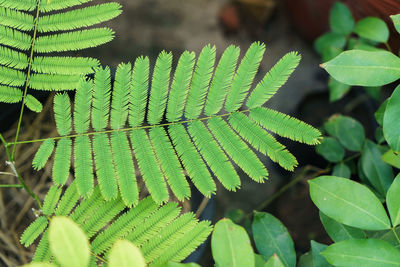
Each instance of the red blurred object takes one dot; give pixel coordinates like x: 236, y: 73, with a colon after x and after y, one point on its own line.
x: 311, y: 17
x: 230, y: 18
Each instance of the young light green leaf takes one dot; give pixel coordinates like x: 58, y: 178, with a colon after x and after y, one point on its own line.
x: 125, y: 254
x: 337, y: 89
x: 318, y: 259
x: 337, y: 231
x: 43, y: 154
x: 391, y: 158
x: 393, y: 201
x: 373, y: 29
x: 271, y: 237
x: 34, y: 230
x: 341, y: 170
x: 68, y: 243
x: 396, y: 21
x: 362, y: 252
x: 230, y: 245
x: 177, y: 264
x: 274, y: 261
x: 341, y: 19
x: 391, y: 120
x: 329, y: 40
x: 39, y: 264
x: 330, y: 149
x: 349, y: 203
x: 365, y: 68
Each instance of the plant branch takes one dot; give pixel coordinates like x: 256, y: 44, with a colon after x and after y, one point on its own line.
x: 11, y: 185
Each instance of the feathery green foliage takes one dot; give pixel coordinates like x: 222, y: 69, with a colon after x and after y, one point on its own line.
x: 52, y: 197
x: 157, y: 230
x: 10, y: 94
x: 21, y: 21
x: 43, y: 154
x: 164, y: 151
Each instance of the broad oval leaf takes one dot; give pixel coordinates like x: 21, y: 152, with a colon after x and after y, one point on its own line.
x: 396, y: 21
x: 365, y: 68
x: 230, y: 245
x: 68, y: 243
x: 328, y: 41
x: 177, y: 264
x: 337, y: 231
x: 373, y: 29
x: 271, y: 237
x: 379, y: 114
x: 391, y: 120
x: 341, y: 170
x: 331, y: 149
x: 392, y: 158
x: 362, y: 252
x: 341, y: 20
x: 318, y: 259
x: 393, y: 201
x: 39, y: 264
x: 349, y: 203
x: 337, y: 89
x: 274, y: 261
x: 125, y: 254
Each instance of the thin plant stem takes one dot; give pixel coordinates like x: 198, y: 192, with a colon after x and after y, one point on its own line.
x: 28, y: 76
x: 7, y: 173
x: 202, y: 206
x: 388, y: 47
x: 11, y: 185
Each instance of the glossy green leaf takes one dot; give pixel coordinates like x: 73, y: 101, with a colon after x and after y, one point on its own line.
x: 259, y: 260
x: 39, y: 264
x: 392, y: 158
x: 337, y: 231
x: 373, y: 29
x: 365, y: 68
x: 68, y: 243
x: 362, y: 252
x: 379, y: 174
x: 393, y: 201
x: 391, y: 121
x: 349, y: 203
x: 271, y: 237
x: 125, y: 254
x: 329, y: 40
x: 379, y: 135
x: 306, y: 260
x: 177, y: 264
x: 390, y: 236
x: 318, y: 259
x: 396, y: 21
x: 341, y: 20
x: 381, y: 112
x: 341, y: 170
x: 274, y: 261
x: 337, y: 89
x: 347, y: 130
x: 230, y: 245
x: 330, y: 149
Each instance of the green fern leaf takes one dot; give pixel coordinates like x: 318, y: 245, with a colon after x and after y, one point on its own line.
x: 238, y: 151
x: 83, y: 165
x: 62, y: 161
x: 120, y: 96
x: 273, y: 80
x: 88, y: 206
x: 148, y: 166
x: 33, y: 231
x: 262, y: 141
x: 62, y: 113
x: 159, y: 88
x: 42, y: 253
x: 43, y: 154
x: 14, y: 38
x: 169, y: 163
x: 79, y: 18
x: 214, y: 156
x: 26, y: 5
x: 191, y: 160
x: 13, y: 59
x: 65, y: 65
x: 51, y: 199
x: 52, y: 5
x: 33, y: 104
x: 244, y: 76
x: 10, y: 94
x: 124, y: 168
x: 11, y: 77
x: 140, y: 85
x: 83, y: 99
x: 67, y: 201
x: 222, y: 80
x: 285, y: 125
x: 16, y: 19
x: 101, y: 99
x: 180, y: 86
x: 51, y: 82
x: 200, y: 82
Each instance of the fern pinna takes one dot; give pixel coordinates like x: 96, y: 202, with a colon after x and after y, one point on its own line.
x: 167, y: 129
x: 162, y: 233
x: 31, y: 29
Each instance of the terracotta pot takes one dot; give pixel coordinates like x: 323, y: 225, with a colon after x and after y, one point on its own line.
x: 311, y: 17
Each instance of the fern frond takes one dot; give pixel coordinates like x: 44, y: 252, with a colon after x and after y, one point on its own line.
x: 42, y: 253
x: 192, y: 161
x: 101, y: 99
x: 43, y: 154
x: 159, y: 88
x: 120, y: 96
x: 200, y: 82
x: 62, y: 113
x: 72, y: 41
x: 33, y: 104
x: 148, y: 166
x: 124, y: 168
x: 54, y: 82
x: 65, y: 65
x: 140, y: 86
x: 83, y: 100
x: 34, y: 230
x: 52, y: 5
x: 180, y: 86
x: 237, y: 150
x: 16, y: 19
x: 222, y: 80
x: 11, y: 77
x: 14, y: 38
x: 88, y: 206
x: 244, y: 76
x: 62, y: 161
x: 262, y: 141
x: 214, y: 156
x: 13, y: 59
x: 83, y: 165
x: 79, y: 18
x: 10, y: 94
x: 67, y: 201
x: 51, y: 199
x: 169, y: 163
x: 273, y: 80
x: 26, y: 5
x: 285, y: 126
x: 104, y: 166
